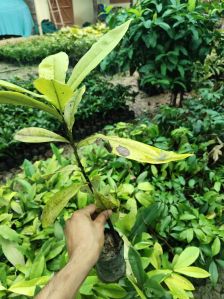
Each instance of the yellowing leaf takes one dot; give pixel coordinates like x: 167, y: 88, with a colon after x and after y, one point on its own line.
x: 16, y: 98
x: 54, y: 67
x: 104, y: 202
x: 15, y: 87
x: 38, y: 135
x: 57, y: 93
x: 27, y: 288
x: 72, y: 106
x: 191, y: 5
x: 181, y: 282
x: 96, y: 54
x: 193, y: 272
x: 135, y: 150
x: 57, y: 203
x: 176, y: 291
x: 186, y: 258
x: 155, y: 258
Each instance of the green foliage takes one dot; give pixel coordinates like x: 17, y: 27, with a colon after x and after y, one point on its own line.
x: 100, y: 99
x: 74, y: 41
x: 164, y: 41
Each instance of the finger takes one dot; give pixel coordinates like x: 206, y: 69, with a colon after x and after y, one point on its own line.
x: 102, y: 217
x: 91, y: 209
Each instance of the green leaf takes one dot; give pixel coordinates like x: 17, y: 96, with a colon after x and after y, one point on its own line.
x: 16, y: 98
x: 9, y: 234
x: 54, y: 67
x: 213, y: 270
x: 186, y: 258
x: 87, y: 285
x: 135, y: 150
x: 145, y: 186
x: 191, y: 5
x: 27, y: 288
x: 111, y: 290
x: 11, y: 252
x: 193, y: 272
x: 138, y: 291
x: 37, y: 267
x: 57, y: 203
x: 136, y: 266
x: 57, y: 93
x: 144, y: 218
x: 96, y: 54
x: 216, y: 246
x: 72, y: 106
x: 38, y: 135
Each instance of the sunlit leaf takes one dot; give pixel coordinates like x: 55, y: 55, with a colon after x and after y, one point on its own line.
x: 57, y: 93
x: 96, y: 54
x: 28, y: 287
x: 16, y: 98
x: 186, y: 258
x: 72, y: 106
x: 15, y: 87
x: 38, y: 135
x: 54, y: 67
x: 193, y: 272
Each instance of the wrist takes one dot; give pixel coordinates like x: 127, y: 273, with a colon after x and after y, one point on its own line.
x: 88, y: 257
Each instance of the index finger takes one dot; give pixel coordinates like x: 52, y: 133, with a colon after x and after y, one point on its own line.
x: 91, y: 209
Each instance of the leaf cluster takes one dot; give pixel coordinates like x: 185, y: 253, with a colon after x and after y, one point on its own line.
x: 164, y: 41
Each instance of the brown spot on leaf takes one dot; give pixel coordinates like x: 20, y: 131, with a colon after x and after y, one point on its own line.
x: 123, y: 151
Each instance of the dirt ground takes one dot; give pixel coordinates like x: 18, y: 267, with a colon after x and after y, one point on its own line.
x: 143, y: 104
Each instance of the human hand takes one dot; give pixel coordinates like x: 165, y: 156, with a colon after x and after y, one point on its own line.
x: 84, y: 235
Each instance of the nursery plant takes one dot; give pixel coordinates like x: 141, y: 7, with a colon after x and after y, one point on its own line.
x: 61, y: 100
x: 164, y: 41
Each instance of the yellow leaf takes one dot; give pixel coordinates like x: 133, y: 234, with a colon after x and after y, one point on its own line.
x: 54, y: 67
x: 135, y: 150
x: 193, y: 272
x: 175, y: 289
x: 38, y: 135
x: 182, y: 282
x: 57, y: 93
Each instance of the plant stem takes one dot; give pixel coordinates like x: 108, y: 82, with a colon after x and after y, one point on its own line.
x: 110, y: 224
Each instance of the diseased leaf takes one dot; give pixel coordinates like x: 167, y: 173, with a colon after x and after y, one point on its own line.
x: 54, y: 67
x: 38, y: 135
x: 72, y: 106
x: 57, y: 203
x: 135, y: 150
x: 16, y: 98
x: 96, y: 54
x: 57, y: 93
x: 186, y: 258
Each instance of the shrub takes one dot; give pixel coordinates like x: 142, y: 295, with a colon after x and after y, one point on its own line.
x: 74, y: 41
x: 165, y: 39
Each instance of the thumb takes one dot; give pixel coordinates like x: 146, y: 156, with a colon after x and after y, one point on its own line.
x: 102, y: 217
